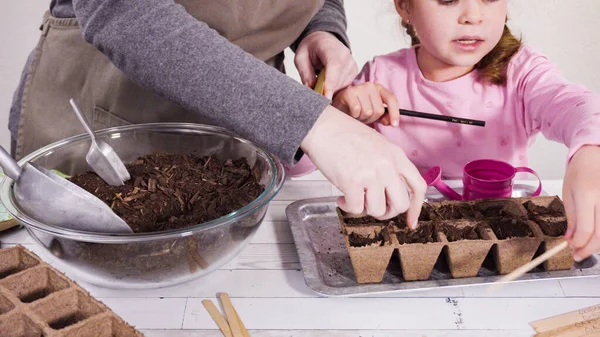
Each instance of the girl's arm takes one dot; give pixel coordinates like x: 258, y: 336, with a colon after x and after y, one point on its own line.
x: 563, y: 111
x: 570, y: 114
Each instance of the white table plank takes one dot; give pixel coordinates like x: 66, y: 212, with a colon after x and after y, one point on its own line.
x: 515, y: 313
x: 332, y: 313
x: 251, y: 284
x: 345, y: 333
x: 237, y: 283
x: 538, y: 288
x: 296, y: 190
x: 581, y: 287
x: 266, y: 257
x: 149, y: 313
x: 276, y: 210
x: 430, y: 293
x: 316, y: 175
x: 273, y: 232
x: 16, y: 235
x: 335, y: 191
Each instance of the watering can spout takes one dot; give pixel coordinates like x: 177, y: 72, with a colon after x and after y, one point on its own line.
x: 433, y: 177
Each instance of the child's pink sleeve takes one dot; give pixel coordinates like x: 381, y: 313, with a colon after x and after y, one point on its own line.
x: 564, y: 112
x: 367, y: 74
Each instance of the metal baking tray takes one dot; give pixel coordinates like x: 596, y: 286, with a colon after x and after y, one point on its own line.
x: 328, y: 271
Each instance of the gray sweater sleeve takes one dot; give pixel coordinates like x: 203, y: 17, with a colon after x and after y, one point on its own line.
x: 160, y: 46
x: 330, y: 18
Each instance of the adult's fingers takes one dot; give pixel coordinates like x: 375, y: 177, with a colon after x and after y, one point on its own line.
x: 417, y: 188
x: 353, y: 200
x: 375, y: 199
x: 305, y: 68
x: 397, y: 199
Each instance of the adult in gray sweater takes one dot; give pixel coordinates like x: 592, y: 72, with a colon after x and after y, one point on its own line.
x: 214, y: 62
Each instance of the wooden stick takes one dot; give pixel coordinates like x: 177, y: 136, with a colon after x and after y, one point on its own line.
x: 192, y: 247
x: 4, y: 225
x: 191, y: 262
x: 199, y: 260
x: 320, y: 85
x: 569, y: 318
x: 217, y: 317
x: 244, y: 330
x: 527, y: 267
x: 586, y: 328
x: 234, y: 324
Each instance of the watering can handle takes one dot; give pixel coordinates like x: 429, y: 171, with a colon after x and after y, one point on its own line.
x: 528, y: 170
x: 9, y: 165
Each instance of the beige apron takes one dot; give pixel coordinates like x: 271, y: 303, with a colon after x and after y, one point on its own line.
x: 65, y: 66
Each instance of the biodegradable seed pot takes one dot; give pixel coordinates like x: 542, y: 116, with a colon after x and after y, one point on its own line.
x: 512, y: 229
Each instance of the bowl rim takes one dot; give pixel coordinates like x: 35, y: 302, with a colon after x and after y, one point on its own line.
x: 272, y: 188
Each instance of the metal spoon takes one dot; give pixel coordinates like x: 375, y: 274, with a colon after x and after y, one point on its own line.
x: 101, y: 157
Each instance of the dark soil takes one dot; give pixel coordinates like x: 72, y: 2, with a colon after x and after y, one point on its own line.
x: 556, y: 208
x: 357, y: 240
x: 460, y: 211
x: 365, y: 220
x: 491, y: 210
x: 454, y: 233
x: 506, y: 228
x: 423, y: 234
x: 552, y: 226
x: 500, y: 208
x: 168, y: 191
x: 399, y: 220
x: 426, y: 212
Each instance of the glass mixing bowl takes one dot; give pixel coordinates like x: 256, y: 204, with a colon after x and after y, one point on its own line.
x: 150, y: 260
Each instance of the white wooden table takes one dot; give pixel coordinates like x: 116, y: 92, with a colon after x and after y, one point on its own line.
x: 268, y: 290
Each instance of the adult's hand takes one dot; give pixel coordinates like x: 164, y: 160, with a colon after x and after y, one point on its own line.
x: 322, y: 49
x: 373, y: 174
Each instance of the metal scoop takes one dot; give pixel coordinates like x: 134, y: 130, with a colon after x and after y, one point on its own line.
x: 53, y: 200
x: 101, y: 157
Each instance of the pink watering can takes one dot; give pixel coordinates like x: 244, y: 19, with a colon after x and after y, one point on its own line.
x: 482, y: 179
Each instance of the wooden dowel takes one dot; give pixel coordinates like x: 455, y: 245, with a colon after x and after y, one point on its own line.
x: 570, y: 318
x: 244, y: 330
x: 232, y: 318
x: 527, y: 267
x: 217, y: 317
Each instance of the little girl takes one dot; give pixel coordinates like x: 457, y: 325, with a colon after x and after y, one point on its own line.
x: 465, y: 62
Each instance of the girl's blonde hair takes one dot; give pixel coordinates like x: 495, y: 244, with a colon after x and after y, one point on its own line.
x: 492, y: 66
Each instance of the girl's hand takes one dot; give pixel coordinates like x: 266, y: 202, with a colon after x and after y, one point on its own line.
x: 365, y: 102
x: 581, y: 195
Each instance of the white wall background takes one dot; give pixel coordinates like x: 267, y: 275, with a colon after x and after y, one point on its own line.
x: 562, y: 29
